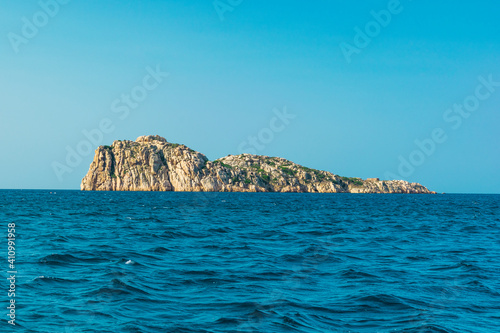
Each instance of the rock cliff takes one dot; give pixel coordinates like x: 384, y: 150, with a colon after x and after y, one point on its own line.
x: 153, y: 164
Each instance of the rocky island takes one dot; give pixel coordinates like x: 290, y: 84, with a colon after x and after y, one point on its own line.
x: 152, y: 164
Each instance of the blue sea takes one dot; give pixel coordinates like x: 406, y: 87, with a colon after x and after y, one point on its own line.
x: 251, y: 262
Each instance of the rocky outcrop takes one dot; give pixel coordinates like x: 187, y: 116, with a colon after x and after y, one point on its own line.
x: 153, y: 164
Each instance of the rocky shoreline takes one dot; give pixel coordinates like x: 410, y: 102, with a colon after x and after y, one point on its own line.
x: 152, y: 164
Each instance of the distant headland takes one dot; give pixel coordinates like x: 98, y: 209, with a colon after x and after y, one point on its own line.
x: 152, y: 164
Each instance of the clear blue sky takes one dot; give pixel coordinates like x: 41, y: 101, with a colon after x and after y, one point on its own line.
x: 226, y: 77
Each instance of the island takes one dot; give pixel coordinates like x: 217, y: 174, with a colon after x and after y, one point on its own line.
x: 152, y: 164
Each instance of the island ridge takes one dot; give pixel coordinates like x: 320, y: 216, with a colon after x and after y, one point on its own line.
x: 152, y: 164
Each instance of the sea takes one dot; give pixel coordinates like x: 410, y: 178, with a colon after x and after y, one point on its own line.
x: 249, y: 262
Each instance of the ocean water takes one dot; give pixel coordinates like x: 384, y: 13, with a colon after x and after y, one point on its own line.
x: 252, y: 262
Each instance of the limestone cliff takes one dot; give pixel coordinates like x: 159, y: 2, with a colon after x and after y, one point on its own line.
x: 153, y: 164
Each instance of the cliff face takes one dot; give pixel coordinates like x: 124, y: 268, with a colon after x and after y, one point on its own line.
x: 153, y: 164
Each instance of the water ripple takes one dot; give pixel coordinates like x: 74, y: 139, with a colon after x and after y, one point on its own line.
x: 244, y: 262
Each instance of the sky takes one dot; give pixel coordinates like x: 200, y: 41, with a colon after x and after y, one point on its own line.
x: 390, y: 89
